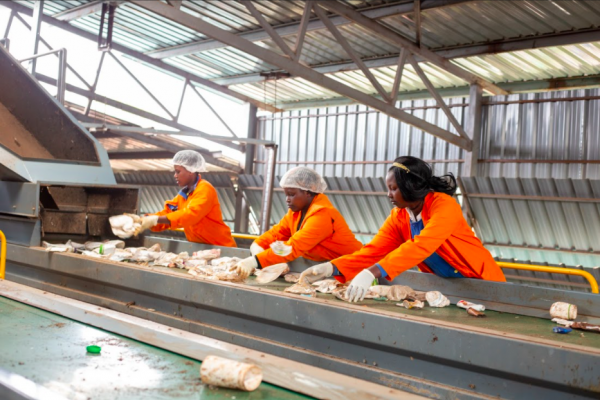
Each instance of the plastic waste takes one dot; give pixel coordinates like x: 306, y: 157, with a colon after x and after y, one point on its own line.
x: 563, y: 310
x: 467, y: 304
x: 437, y: 299
x: 232, y: 374
x: 281, y: 249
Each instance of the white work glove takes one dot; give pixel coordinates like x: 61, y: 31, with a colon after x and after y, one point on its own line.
x: 255, y: 249
x: 245, y: 267
x: 360, y: 285
x: 317, y: 272
x: 146, y: 222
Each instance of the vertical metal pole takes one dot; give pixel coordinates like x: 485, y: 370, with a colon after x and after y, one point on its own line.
x: 265, y: 216
x: 473, y: 130
x: 36, y: 26
x: 242, y: 208
x: 62, y: 76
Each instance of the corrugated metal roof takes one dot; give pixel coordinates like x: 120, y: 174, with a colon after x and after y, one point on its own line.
x: 467, y: 23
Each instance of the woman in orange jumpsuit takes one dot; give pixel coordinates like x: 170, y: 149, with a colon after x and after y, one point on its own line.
x: 312, y: 227
x: 425, y: 228
x: 196, y: 207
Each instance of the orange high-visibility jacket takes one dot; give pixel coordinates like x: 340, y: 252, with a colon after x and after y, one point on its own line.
x: 199, y: 216
x: 324, y: 235
x: 445, y: 232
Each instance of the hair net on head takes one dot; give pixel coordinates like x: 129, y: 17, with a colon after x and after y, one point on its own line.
x: 190, y: 160
x: 303, y: 178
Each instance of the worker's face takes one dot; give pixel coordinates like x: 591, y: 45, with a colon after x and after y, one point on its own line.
x: 183, y: 177
x: 297, y: 199
x: 393, y: 192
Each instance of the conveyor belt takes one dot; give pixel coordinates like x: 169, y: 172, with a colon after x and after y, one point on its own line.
x: 51, y: 350
x: 444, y: 354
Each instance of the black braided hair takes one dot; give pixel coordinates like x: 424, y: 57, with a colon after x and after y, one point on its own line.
x: 419, y: 180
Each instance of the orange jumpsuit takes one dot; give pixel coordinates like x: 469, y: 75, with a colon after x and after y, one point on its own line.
x: 445, y: 232
x: 324, y: 235
x: 199, y: 215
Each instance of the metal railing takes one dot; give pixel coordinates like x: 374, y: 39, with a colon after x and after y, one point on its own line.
x: 61, y: 82
x: 2, y: 255
x: 553, y: 270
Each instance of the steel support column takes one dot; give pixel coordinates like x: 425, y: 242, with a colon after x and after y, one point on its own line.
x: 265, y: 215
x: 473, y: 129
x: 242, y: 209
x: 38, y: 12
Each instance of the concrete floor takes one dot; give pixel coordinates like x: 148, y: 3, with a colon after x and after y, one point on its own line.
x: 51, y: 350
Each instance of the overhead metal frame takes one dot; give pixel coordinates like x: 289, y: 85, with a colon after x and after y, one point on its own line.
x: 140, y: 57
x: 310, y: 75
x: 310, y: 23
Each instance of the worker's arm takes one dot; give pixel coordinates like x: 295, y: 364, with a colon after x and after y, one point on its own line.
x: 163, y: 221
x: 197, y: 208
x: 317, y: 228
x: 387, y: 239
x: 445, y: 215
x: 280, y: 231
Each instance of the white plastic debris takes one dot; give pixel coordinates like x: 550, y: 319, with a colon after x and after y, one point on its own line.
x: 280, y: 248
x: 231, y: 374
x: 437, y: 299
x: 563, y: 310
x: 124, y: 226
x: 272, y: 272
x: 467, y: 304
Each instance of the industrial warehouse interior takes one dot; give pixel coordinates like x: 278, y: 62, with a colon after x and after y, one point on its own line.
x: 299, y: 199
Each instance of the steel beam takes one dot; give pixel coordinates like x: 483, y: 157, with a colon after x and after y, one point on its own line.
x: 174, y: 148
x: 434, y: 93
x: 150, y: 131
x: 80, y: 11
x: 350, y: 51
x: 144, y: 88
x: 269, y: 29
x: 514, y: 87
x: 136, y: 111
x: 293, y: 28
x: 473, y: 128
x: 563, y: 39
x: 267, y: 189
x: 298, y: 69
x: 398, y: 78
x: 38, y: 12
x: 396, y: 39
x: 302, y: 30
x: 215, y: 113
x: 222, y: 90
x: 157, y: 154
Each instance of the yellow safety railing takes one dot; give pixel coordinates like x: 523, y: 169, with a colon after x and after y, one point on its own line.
x: 2, y: 255
x: 244, y: 236
x: 235, y: 235
x: 554, y: 270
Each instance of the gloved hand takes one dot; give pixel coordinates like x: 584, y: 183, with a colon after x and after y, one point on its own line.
x: 134, y: 217
x: 317, y: 272
x: 245, y: 267
x: 360, y: 285
x: 146, y: 223
x: 255, y: 249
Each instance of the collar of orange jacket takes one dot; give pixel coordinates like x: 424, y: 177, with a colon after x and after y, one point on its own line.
x: 319, y: 202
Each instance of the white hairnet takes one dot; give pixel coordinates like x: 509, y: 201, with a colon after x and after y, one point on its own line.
x: 303, y: 178
x: 190, y: 160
